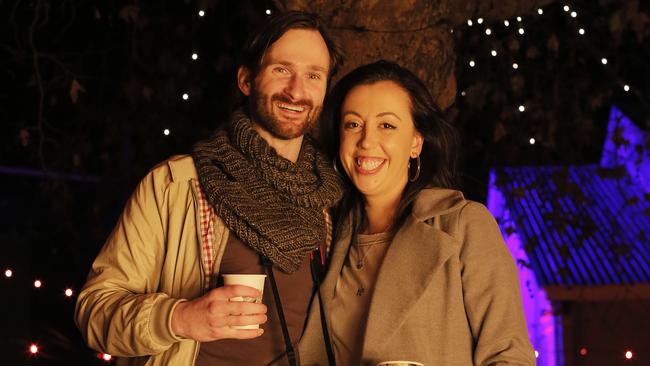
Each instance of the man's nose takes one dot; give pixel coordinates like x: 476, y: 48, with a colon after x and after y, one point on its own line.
x: 296, y: 87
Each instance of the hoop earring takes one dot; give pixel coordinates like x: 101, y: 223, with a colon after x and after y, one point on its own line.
x: 417, y: 171
x: 335, y: 165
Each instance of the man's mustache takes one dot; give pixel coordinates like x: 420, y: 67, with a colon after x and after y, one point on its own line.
x: 283, y: 98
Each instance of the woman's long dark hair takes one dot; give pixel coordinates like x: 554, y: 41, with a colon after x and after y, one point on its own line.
x: 438, y: 156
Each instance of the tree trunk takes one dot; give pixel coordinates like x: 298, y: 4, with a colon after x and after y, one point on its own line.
x: 414, y: 33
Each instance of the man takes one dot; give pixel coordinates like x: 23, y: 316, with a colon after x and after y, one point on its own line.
x: 254, y: 193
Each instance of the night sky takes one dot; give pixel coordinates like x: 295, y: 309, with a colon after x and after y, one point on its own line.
x: 92, y: 98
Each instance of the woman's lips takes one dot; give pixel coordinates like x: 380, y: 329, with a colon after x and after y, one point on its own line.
x: 368, y: 165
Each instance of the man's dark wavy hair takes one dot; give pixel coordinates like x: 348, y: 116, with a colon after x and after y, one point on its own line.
x: 274, y: 27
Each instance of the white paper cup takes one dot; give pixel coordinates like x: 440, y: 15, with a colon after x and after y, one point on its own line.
x: 400, y: 363
x: 252, y: 280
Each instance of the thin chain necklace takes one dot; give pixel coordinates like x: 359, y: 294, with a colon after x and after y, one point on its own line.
x: 368, y: 246
x: 363, y: 254
x: 363, y: 250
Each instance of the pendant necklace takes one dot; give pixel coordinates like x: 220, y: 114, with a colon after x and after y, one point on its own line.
x: 361, y: 261
x: 363, y: 250
x: 368, y: 246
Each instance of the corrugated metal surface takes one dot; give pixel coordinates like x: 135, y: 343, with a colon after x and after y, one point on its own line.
x: 579, y: 225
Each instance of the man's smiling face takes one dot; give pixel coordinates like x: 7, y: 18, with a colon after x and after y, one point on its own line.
x: 287, y: 94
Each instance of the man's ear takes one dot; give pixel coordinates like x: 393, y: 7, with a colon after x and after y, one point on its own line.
x: 244, y: 80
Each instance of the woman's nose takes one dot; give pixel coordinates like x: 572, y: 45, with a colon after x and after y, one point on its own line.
x: 368, y: 138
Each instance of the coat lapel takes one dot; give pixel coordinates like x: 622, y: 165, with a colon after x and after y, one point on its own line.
x: 415, y: 254
x: 337, y: 258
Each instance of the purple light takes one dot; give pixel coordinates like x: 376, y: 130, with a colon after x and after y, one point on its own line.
x: 613, y: 203
x: 634, y: 155
x: 544, y: 329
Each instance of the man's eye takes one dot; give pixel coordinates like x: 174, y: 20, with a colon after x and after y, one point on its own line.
x: 315, y: 76
x: 282, y: 70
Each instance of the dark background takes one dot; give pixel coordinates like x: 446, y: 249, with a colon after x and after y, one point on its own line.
x: 89, y: 87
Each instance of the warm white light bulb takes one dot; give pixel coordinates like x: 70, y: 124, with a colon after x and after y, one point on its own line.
x: 166, y: 132
x: 531, y: 141
x: 540, y: 11
x: 566, y: 8
x: 626, y: 87
x: 521, y: 30
x: 519, y: 19
x: 268, y: 11
x: 472, y: 63
x: 629, y: 355
x: 195, y: 56
x: 493, y: 52
x: 38, y: 283
x: 463, y: 93
x: 68, y: 292
x: 469, y: 22
x: 506, y: 23
x: 581, y: 31
x: 603, y: 61
x: 201, y: 13
x: 9, y: 273
x: 522, y: 108
x: 479, y: 20
x: 185, y: 96
x: 106, y: 357
x: 574, y: 14
x: 515, y: 66
x: 488, y: 31
x: 33, y: 349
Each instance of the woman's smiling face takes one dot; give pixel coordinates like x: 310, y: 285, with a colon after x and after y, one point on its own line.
x: 378, y: 137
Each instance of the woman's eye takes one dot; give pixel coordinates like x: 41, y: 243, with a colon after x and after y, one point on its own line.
x: 387, y: 125
x: 351, y: 124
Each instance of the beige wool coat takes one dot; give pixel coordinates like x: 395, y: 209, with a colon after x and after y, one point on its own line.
x: 446, y: 294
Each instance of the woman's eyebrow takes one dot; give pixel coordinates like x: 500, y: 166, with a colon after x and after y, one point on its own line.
x: 351, y: 112
x: 388, y: 114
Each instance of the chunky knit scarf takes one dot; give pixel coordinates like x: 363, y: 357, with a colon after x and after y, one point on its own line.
x: 272, y: 204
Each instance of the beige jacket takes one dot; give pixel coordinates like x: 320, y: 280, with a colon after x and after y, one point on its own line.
x: 447, y: 292
x: 150, y: 262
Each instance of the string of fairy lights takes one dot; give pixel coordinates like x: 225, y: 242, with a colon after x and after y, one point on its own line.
x: 518, y: 28
x: 185, y: 96
x: 34, y: 348
x: 516, y: 25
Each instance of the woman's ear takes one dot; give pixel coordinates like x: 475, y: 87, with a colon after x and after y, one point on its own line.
x: 416, y: 144
x: 244, y: 80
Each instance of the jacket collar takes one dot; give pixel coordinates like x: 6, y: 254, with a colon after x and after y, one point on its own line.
x: 416, y: 253
x: 434, y: 202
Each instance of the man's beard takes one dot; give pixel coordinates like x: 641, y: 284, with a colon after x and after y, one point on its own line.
x: 261, y: 113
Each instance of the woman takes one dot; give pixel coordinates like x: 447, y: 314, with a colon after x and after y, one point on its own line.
x: 417, y: 272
